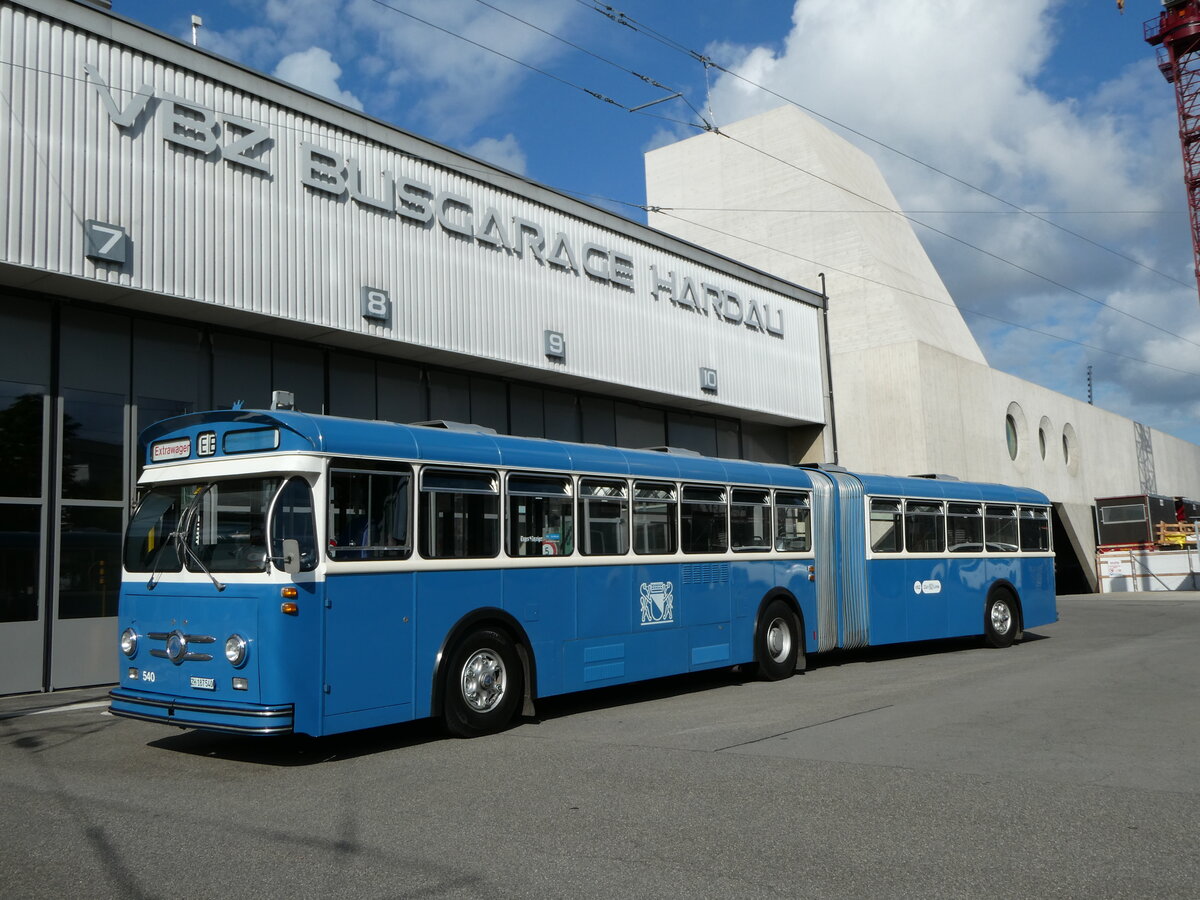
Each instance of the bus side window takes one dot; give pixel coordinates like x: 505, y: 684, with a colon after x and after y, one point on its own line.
x: 460, y: 514
x: 540, y: 516
x: 887, y: 534
x: 654, y: 510
x: 924, y: 526
x: 793, y: 521
x: 603, y: 517
x: 1000, y: 529
x: 293, y: 517
x: 1035, y: 529
x: 964, y: 527
x: 750, y: 520
x: 369, y: 514
x: 703, y: 519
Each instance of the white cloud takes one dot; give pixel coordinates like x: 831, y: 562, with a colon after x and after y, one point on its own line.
x: 246, y: 45
x: 314, y: 70
x: 504, y: 152
x: 957, y: 84
x: 413, y: 61
x: 461, y: 83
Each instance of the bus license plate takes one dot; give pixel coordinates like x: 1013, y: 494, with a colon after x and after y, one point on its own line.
x: 203, y: 684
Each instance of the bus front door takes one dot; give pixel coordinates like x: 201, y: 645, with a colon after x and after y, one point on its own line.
x: 369, y: 647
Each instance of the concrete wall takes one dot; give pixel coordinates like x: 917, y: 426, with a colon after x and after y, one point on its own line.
x: 912, y: 392
x: 784, y: 213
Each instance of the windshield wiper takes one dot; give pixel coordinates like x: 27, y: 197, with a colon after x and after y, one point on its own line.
x: 179, y: 536
x: 159, y: 559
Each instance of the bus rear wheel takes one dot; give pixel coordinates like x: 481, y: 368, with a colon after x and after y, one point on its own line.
x: 777, y: 642
x: 483, y: 684
x: 1000, y: 620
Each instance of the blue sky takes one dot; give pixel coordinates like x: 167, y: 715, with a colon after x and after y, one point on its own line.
x: 1053, y: 106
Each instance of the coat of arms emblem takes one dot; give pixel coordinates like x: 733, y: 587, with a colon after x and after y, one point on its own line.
x: 658, y: 602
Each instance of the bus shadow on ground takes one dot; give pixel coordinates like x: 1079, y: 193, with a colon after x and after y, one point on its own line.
x: 598, y: 699
x: 301, y: 750
x: 565, y: 705
x: 911, y: 650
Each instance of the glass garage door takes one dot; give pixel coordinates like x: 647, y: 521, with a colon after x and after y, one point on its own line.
x: 24, y: 438
x: 93, y: 480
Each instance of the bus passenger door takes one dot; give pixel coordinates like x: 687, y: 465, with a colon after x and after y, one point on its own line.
x: 890, y: 592
x: 705, y: 606
x: 605, y: 600
x: 660, y: 606
x: 927, y: 613
x: 369, y: 627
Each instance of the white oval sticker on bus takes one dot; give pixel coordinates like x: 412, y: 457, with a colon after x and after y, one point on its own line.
x: 931, y: 587
x: 180, y: 448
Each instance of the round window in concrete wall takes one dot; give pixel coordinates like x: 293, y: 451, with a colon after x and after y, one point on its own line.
x: 1015, y: 431
x: 1045, y: 429
x: 1070, y: 448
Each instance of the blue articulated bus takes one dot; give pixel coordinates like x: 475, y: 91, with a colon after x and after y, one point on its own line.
x: 286, y: 572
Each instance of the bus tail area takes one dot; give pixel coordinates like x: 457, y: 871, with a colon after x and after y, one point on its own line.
x: 294, y: 573
x: 921, y: 559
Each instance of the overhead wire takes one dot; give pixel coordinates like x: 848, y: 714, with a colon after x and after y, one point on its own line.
x: 562, y: 40
x: 942, y: 212
x: 604, y: 98
x: 622, y: 18
x: 884, y: 208
x: 597, y: 95
x: 962, y: 241
x: 666, y: 211
x: 919, y: 295
x: 827, y: 267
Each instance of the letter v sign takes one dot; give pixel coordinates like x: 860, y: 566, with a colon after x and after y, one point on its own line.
x: 122, y: 118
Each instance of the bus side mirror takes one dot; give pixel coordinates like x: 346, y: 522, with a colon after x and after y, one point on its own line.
x: 291, y: 556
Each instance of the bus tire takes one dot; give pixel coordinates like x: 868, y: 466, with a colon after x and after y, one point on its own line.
x: 484, y: 684
x: 777, y: 642
x: 1001, y: 619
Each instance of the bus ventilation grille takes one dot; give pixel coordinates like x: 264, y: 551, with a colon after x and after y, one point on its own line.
x: 706, y: 573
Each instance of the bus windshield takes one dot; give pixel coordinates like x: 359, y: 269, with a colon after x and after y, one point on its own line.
x: 220, y: 526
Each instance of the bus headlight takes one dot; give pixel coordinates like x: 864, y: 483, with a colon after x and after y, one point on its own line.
x: 129, y: 642
x: 235, y: 649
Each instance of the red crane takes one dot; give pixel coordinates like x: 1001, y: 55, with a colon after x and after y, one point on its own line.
x: 1176, y: 32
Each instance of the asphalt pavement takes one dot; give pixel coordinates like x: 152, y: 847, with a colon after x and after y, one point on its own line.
x: 1067, y: 766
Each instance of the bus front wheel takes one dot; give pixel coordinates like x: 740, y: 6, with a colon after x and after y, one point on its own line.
x: 1000, y: 620
x: 777, y: 642
x: 483, y: 684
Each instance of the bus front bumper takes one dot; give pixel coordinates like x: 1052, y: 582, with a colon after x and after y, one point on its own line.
x: 236, y: 718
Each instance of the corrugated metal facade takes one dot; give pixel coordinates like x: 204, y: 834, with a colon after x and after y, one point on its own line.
x: 249, y: 237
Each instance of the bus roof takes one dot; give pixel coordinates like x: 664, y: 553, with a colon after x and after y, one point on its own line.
x: 307, y: 432
x: 939, y: 489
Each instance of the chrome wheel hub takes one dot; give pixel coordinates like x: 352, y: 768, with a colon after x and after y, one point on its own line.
x: 484, y: 680
x: 1001, y: 617
x: 779, y: 640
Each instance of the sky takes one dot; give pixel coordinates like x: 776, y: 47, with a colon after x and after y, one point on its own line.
x: 1038, y: 136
